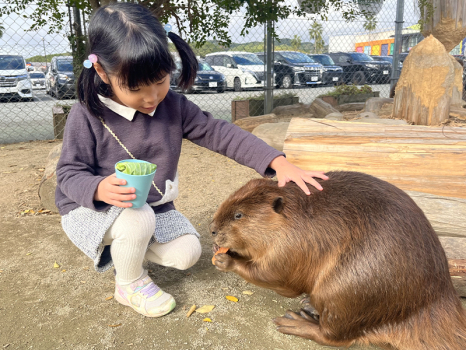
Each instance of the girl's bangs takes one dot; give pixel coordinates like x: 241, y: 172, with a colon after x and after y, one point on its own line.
x: 142, y: 64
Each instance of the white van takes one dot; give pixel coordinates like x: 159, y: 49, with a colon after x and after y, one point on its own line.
x: 242, y: 70
x: 14, y: 78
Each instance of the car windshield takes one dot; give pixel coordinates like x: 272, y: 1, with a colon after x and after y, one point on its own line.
x: 205, y: 66
x: 324, y: 59
x: 360, y: 57
x: 65, y: 66
x: 37, y: 75
x: 297, y: 57
x: 11, y: 62
x: 247, y: 59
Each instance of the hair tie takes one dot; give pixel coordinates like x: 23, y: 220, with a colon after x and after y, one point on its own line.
x: 90, y: 60
x: 168, y: 28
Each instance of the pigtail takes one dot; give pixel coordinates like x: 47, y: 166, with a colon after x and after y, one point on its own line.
x: 89, y: 87
x: 188, y: 60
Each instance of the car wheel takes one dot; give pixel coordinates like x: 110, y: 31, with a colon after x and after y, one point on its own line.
x: 358, y: 78
x: 237, y: 85
x: 221, y: 91
x: 287, y: 82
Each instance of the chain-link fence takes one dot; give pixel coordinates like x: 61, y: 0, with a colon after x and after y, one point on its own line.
x: 310, y: 57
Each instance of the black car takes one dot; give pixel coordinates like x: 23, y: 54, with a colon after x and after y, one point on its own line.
x: 207, y: 79
x: 61, y: 77
x: 332, y: 74
x: 292, y: 68
x: 359, y: 68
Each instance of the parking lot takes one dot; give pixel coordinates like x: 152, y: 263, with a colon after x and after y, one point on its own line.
x: 23, y: 121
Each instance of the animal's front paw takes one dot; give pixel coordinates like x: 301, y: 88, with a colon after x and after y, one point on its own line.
x: 224, y: 262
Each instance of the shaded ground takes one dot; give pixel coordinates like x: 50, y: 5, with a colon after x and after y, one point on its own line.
x: 42, y: 307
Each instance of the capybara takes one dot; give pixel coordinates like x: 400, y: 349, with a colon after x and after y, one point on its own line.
x: 361, y: 249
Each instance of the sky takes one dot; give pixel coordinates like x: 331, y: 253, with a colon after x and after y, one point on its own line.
x: 17, y: 40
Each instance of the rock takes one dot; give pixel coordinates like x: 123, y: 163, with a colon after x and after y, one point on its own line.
x: 374, y: 104
x: 250, y: 123
x: 334, y: 116
x: 49, y: 180
x: 386, y: 110
x: 350, y: 107
x: 292, y: 110
x: 272, y: 133
x: 321, y: 109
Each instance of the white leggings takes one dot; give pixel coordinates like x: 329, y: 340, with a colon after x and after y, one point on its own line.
x: 129, y: 236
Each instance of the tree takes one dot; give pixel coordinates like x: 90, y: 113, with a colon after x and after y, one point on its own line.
x: 2, y: 30
x: 370, y: 25
x: 296, y: 43
x: 316, y: 33
x: 196, y: 20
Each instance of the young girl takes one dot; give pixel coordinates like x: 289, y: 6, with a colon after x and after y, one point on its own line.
x: 127, y: 110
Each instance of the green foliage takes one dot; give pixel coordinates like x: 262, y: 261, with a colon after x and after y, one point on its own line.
x: 370, y: 24
x: 316, y: 33
x: 261, y: 96
x: 2, y: 30
x: 349, y: 90
x: 40, y: 58
x: 426, y: 9
x: 296, y: 43
x: 196, y: 20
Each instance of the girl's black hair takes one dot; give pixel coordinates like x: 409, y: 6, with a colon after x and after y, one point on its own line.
x: 130, y: 44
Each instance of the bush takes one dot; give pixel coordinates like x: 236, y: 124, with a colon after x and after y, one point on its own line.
x: 349, y: 90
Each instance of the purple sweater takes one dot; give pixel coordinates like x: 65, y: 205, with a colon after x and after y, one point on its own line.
x: 90, y: 152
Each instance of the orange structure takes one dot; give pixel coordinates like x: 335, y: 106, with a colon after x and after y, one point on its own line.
x: 382, y: 47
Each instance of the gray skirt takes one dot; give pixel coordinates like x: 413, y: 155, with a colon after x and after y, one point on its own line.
x: 86, y: 229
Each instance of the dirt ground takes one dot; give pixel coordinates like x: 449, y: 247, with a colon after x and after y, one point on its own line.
x: 69, y: 305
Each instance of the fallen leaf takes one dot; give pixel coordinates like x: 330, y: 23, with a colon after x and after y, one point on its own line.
x: 207, y: 319
x: 83, y: 282
x: 248, y: 292
x: 191, y: 310
x: 110, y: 297
x: 55, y: 265
x: 231, y: 298
x: 204, y: 309
x: 63, y: 270
x: 115, y: 325
x: 28, y: 253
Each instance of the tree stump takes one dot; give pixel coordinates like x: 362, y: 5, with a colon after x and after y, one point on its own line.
x: 424, y: 91
x: 447, y: 22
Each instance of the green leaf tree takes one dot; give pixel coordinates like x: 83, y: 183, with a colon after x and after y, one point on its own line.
x: 195, y: 20
x: 2, y: 30
x: 296, y: 43
x: 316, y: 34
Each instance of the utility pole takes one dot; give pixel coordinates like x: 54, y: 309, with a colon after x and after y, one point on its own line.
x: 45, y: 54
x: 400, y: 5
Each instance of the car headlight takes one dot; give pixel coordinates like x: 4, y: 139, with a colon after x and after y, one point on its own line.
x: 249, y: 71
x: 63, y: 77
x: 373, y: 66
x: 21, y: 77
x: 222, y: 78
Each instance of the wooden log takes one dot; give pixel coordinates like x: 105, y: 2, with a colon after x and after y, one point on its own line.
x: 250, y: 123
x: 458, y: 112
x: 414, y: 158
x: 455, y: 250
x: 424, y: 91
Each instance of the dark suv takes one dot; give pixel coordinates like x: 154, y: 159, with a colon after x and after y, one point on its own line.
x: 359, y: 68
x: 332, y: 73
x: 60, y: 79
x: 292, y: 68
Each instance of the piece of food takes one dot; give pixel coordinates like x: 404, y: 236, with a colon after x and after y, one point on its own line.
x: 221, y: 250
x: 191, y: 310
x: 136, y: 168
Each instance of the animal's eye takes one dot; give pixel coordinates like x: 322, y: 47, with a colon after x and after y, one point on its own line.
x: 238, y: 216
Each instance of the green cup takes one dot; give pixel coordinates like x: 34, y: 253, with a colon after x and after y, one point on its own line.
x: 142, y: 183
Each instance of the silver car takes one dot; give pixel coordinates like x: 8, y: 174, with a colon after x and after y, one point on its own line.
x: 37, y: 80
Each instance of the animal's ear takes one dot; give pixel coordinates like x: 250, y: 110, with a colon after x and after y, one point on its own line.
x: 278, y: 205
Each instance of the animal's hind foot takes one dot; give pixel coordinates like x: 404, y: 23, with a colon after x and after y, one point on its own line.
x: 294, y: 324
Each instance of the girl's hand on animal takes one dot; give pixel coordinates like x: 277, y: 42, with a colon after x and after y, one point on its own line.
x: 287, y: 172
x: 110, y: 191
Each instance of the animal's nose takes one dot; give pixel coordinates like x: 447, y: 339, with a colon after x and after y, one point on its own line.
x: 214, y: 233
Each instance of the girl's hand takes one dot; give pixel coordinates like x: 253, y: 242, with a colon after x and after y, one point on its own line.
x: 287, y: 172
x: 111, y: 192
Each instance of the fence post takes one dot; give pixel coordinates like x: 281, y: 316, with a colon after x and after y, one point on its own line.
x: 268, y: 105
x: 400, y: 5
